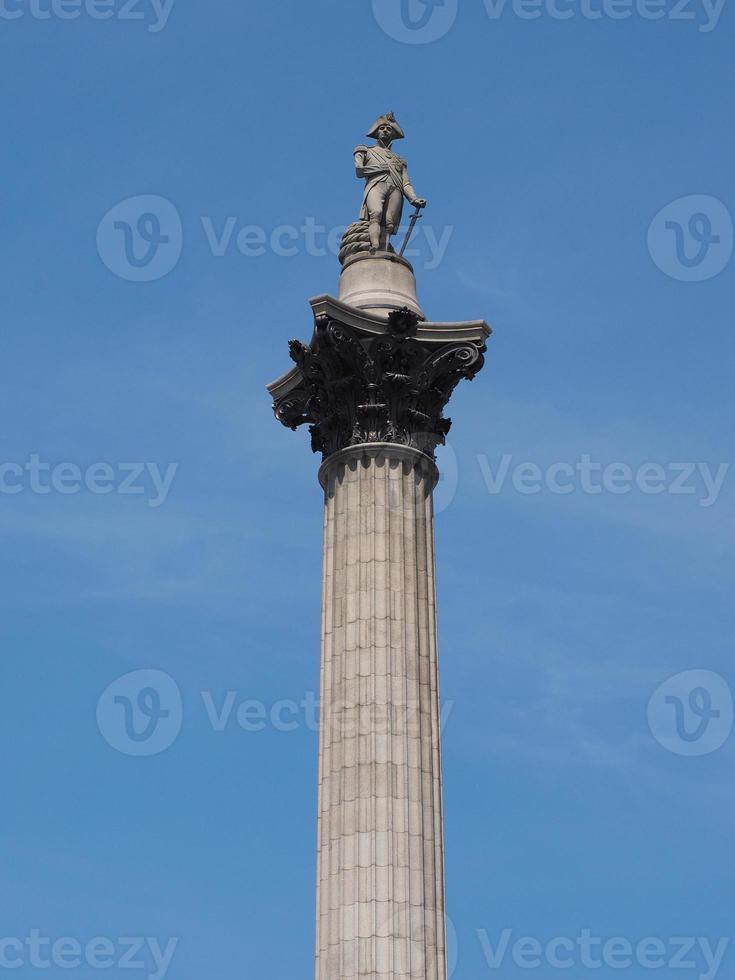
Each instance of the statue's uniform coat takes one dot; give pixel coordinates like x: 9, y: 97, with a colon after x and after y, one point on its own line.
x: 386, y: 184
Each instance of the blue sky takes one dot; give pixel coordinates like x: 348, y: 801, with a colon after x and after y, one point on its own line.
x: 546, y: 148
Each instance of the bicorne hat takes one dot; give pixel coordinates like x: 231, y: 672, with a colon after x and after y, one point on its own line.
x: 387, y: 120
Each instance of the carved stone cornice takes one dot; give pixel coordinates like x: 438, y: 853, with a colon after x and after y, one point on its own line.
x: 364, y: 379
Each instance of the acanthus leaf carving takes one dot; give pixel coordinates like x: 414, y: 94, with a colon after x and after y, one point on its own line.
x: 356, y: 387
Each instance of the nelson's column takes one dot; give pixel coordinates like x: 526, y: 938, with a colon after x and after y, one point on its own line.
x: 372, y: 385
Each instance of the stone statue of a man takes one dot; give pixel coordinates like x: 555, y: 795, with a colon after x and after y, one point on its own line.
x: 386, y: 182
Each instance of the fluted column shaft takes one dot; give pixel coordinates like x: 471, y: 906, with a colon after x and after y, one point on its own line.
x: 380, y: 901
